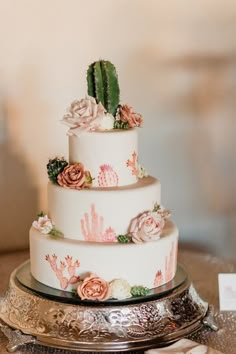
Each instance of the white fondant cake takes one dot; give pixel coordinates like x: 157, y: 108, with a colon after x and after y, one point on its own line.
x: 106, y: 155
x: 106, y: 235
x: 149, y: 264
x: 114, y: 208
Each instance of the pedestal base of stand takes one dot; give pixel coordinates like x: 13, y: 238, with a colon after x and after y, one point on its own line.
x: 168, y: 314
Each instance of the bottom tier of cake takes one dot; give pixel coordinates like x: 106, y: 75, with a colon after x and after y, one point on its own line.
x: 62, y: 263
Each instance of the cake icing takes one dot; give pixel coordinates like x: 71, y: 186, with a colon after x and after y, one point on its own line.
x: 110, y: 156
x: 149, y: 264
x: 106, y: 235
x: 115, y: 205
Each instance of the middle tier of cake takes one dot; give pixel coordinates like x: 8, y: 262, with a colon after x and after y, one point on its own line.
x: 98, y: 214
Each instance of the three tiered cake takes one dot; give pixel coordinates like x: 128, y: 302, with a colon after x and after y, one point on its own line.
x: 106, y: 235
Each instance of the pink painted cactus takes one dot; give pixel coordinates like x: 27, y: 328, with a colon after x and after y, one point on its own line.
x: 133, y: 164
x: 170, y: 262
x: 109, y: 235
x: 92, y: 227
x: 158, y: 279
x: 59, y: 270
x: 107, y: 176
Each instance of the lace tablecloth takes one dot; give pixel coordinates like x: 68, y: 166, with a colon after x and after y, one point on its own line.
x: 203, y: 270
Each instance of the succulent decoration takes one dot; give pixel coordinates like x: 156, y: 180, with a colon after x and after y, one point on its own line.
x: 139, y: 291
x: 124, y: 238
x: 72, y: 176
x: 101, y: 109
x: 103, y: 85
x: 55, y: 167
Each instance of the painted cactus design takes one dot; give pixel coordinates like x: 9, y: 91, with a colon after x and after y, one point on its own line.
x: 133, y: 164
x: 170, y: 263
x: 158, y: 279
x: 68, y: 265
x: 92, y: 227
x: 103, y: 85
x: 169, y: 271
x: 107, y: 177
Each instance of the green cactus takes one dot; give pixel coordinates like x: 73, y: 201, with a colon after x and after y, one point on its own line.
x: 139, y: 291
x: 54, y: 167
x: 124, y: 239
x: 103, y: 85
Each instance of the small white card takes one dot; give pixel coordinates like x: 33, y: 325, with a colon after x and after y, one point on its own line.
x: 227, y: 291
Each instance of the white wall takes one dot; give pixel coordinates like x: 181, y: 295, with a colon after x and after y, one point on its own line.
x: 176, y: 64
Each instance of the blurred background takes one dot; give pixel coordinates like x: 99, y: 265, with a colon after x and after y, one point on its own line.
x: 176, y: 62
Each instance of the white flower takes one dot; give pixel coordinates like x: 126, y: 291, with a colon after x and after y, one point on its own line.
x: 142, y: 172
x: 43, y: 224
x: 120, y: 289
x: 107, y: 122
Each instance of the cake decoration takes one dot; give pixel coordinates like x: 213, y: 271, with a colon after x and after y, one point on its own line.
x: 75, y: 177
x: 127, y: 115
x: 92, y: 227
x: 120, y: 289
x: 139, y: 291
x: 158, y: 279
x: 148, y: 225
x: 87, y: 115
x: 107, y: 176
x: 101, y: 109
x: 54, y: 167
x: 59, y: 271
x: 124, y: 238
x: 103, y: 85
x: 45, y: 225
x: 103, y: 228
x: 170, y: 262
x: 142, y: 172
x: 93, y: 288
x: 133, y: 164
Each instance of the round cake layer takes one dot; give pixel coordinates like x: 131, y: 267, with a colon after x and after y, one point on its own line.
x: 98, y: 214
x: 59, y: 262
x: 110, y: 156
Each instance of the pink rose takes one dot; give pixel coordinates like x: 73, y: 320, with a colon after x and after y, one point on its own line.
x: 74, y: 177
x: 85, y: 114
x: 93, y: 288
x: 127, y: 115
x: 43, y: 224
x: 146, y: 227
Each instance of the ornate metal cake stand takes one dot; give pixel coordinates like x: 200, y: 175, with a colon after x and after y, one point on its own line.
x: 42, y: 315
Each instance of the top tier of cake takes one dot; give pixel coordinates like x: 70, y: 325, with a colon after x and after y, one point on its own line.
x: 111, y: 157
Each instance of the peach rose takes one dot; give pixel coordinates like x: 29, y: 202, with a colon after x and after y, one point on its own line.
x: 84, y: 115
x: 93, y: 288
x: 74, y: 177
x: 146, y: 227
x: 126, y: 114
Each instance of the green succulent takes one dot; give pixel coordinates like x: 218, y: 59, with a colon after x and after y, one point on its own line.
x: 118, y: 124
x: 54, y: 167
x: 124, y: 238
x: 139, y: 291
x: 54, y: 233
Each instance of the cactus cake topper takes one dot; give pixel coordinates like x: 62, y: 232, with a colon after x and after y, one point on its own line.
x: 101, y: 109
x: 103, y: 85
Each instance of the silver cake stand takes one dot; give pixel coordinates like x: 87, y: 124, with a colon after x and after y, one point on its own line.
x: 34, y: 313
